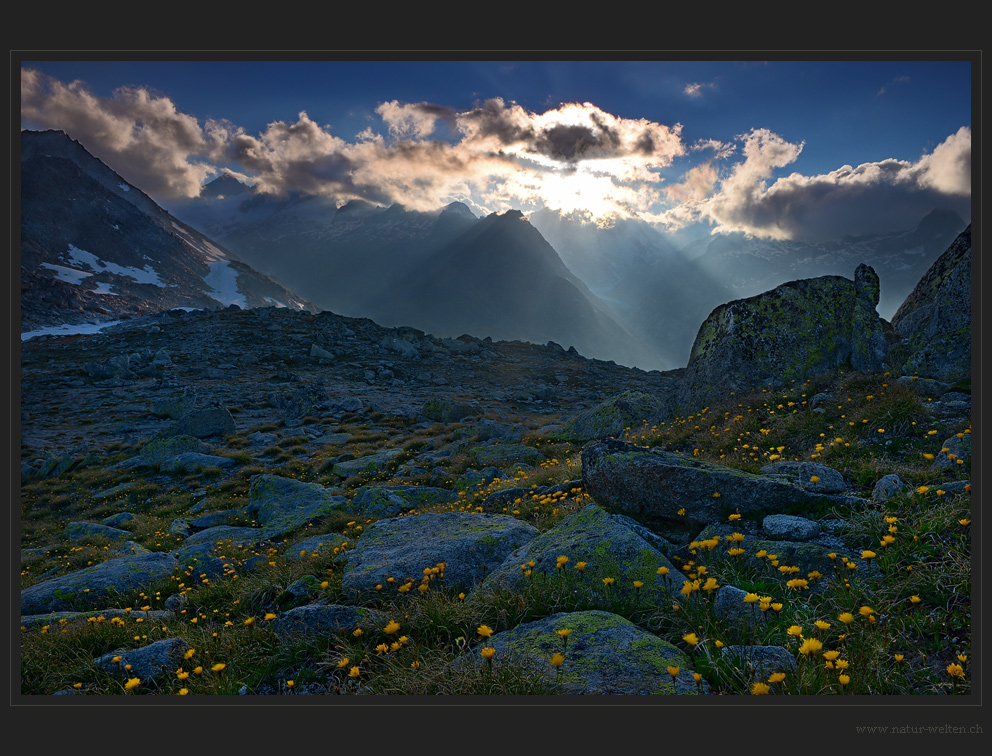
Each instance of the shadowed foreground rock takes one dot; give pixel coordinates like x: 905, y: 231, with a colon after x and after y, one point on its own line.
x: 605, y: 654
x: 90, y: 587
x: 651, y: 484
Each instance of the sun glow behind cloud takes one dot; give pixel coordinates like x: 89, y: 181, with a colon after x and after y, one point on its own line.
x: 574, y: 158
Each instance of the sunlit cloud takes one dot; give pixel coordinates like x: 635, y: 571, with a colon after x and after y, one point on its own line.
x: 695, y: 89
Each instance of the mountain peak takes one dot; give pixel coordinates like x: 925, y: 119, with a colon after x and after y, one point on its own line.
x: 225, y: 185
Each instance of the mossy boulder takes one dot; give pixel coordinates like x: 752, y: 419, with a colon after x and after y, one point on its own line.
x: 388, y: 501
x: 469, y: 544
x: 151, y: 663
x: 281, y: 505
x: 447, y: 411
x: 609, y: 546
x: 654, y: 485
x: 92, y: 586
x: 204, y: 423
x: 605, y: 655
x: 326, y: 619
x: 371, y: 464
x: 797, y: 330
x: 935, y: 319
x: 162, y: 448
x: 628, y: 409
x: 77, y: 531
x: 505, y: 455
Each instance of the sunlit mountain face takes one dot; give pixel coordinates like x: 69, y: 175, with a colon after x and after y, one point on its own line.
x: 664, y: 188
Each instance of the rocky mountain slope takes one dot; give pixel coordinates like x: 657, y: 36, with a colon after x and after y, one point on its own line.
x: 94, y: 248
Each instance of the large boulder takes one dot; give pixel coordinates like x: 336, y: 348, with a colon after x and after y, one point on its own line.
x: 628, y: 409
x: 92, y: 586
x: 204, y: 423
x: 469, y: 544
x: 605, y: 655
x: 611, y: 547
x: 935, y: 319
x: 797, y: 330
x: 654, y: 485
x: 281, y: 505
x: 388, y: 501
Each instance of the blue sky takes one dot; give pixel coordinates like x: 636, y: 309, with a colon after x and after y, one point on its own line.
x: 753, y: 146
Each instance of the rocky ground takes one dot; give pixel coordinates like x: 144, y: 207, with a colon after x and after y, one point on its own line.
x: 340, y: 468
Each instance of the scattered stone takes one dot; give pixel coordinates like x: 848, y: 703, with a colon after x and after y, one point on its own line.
x: 888, y: 486
x: 610, y: 418
x: 957, y: 448
x: 782, y: 527
x: 151, y: 663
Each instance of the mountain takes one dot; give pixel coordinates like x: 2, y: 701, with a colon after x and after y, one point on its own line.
x: 901, y: 258
x: 653, y: 288
x: 406, y: 267
x: 96, y: 248
x: 501, y: 278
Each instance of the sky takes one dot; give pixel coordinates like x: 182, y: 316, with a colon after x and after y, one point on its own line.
x: 779, y: 149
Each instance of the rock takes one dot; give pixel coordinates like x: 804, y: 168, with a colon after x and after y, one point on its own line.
x: 194, y: 461
x: 162, y: 448
x: 469, y: 544
x: 121, y: 518
x: 320, y: 353
x: 505, y: 455
x: 318, y: 545
x: 233, y: 517
x: 224, y: 534
x: 76, y: 531
x: 789, y: 528
x: 281, y: 505
x: 730, y: 604
x: 608, y: 547
x: 795, y: 331
x: 953, y: 449
x: 610, y: 418
x: 175, y: 406
x: 90, y: 586
x: 605, y: 655
x: 802, y: 474
x: 925, y: 387
x: 309, y: 399
x: 401, y: 346
x: 323, y: 619
x: 389, y: 501
x: 205, y: 423
x: 447, y: 411
x: 651, y: 484
x: 156, y: 661
x: 935, y: 319
x: 370, y: 464
x: 888, y: 486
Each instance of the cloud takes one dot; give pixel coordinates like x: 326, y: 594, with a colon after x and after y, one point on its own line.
x: 150, y: 143
x: 896, y: 80
x: 888, y: 194
x: 695, y: 89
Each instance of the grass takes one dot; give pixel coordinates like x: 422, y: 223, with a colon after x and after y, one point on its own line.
x: 909, y: 606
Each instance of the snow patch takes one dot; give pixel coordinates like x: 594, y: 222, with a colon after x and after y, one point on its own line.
x: 223, y: 280
x: 69, y: 329
x: 69, y: 275
x: 272, y: 301
x: 102, y: 287
x: 146, y: 275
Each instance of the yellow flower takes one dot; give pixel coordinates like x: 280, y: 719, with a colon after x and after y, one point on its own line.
x: 842, y: 664
x: 866, y: 611
x: 250, y: 621
x: 133, y: 683
x: 795, y: 630
x: 562, y: 561
x: 898, y: 657
x: 564, y: 632
x: 607, y: 581
x: 485, y: 631
x: 810, y: 646
x: 392, y: 627
x: 557, y: 660
x: 290, y: 683
x: 382, y: 648
x: 821, y: 624
x: 357, y: 632
x: 915, y: 599
x: 197, y: 670
x: 750, y: 598
x: 218, y: 667
x: 182, y: 674
x: 343, y: 663
x: 487, y: 652
x: 354, y: 672
x: 184, y: 691
x: 691, y: 638
x: 922, y: 490
x: 269, y: 616
x: 831, y: 655
x: 580, y: 566
x: 734, y: 516
x: 324, y: 584
x: 846, y: 617
x: 662, y: 570
x: 759, y: 689
x: 867, y: 554
x: 638, y: 584
x: 955, y: 670
x: 776, y: 606
x: 673, y: 671
x: 776, y: 677
x: 843, y: 679
x: 718, y: 644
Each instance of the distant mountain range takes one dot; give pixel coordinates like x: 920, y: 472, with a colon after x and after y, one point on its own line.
x: 96, y: 248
